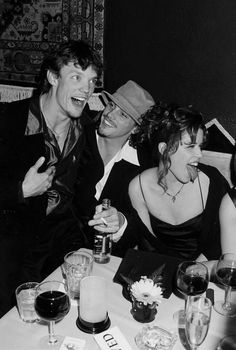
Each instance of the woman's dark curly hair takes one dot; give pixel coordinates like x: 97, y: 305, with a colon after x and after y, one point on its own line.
x: 167, y: 123
x: 78, y: 52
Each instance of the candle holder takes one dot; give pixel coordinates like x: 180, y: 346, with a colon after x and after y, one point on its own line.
x: 93, y: 315
x: 143, y: 313
x: 145, y: 295
x: 94, y: 328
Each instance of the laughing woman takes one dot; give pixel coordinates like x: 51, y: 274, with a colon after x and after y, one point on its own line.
x: 177, y: 202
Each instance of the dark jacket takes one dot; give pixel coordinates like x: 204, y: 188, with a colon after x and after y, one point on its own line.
x: 19, y: 152
x: 22, y: 221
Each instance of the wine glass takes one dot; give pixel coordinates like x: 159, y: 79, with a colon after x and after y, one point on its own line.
x: 52, y: 303
x: 226, y: 274
x: 192, y: 279
x: 198, y: 315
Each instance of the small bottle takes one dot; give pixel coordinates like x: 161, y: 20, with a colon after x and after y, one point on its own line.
x: 102, y: 241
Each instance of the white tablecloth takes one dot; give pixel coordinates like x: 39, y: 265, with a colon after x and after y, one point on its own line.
x: 17, y: 335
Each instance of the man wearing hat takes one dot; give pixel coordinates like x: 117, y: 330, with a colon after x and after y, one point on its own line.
x: 109, y: 162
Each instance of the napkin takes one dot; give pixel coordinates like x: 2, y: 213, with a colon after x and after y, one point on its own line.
x: 137, y: 263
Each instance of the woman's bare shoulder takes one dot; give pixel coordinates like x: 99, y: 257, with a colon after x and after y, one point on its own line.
x: 227, y: 204
x: 146, y: 176
x: 149, y: 173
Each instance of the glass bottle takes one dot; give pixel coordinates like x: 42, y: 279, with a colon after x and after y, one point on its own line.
x: 102, y: 241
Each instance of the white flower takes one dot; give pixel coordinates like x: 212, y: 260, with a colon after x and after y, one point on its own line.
x: 146, y: 291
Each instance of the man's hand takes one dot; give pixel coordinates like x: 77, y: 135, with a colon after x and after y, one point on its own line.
x: 35, y: 183
x: 105, y: 220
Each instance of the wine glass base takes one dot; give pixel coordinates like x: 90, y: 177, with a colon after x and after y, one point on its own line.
x: 45, y: 345
x: 219, y: 307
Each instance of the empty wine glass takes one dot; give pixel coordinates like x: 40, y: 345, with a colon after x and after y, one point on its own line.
x: 198, y: 315
x: 192, y: 279
x: 226, y: 275
x: 52, y: 303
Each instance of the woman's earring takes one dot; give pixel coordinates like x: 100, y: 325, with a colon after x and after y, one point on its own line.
x: 161, y: 147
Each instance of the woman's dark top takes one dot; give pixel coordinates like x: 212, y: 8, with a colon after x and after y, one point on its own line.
x: 188, y: 240
x: 179, y: 239
x: 232, y: 194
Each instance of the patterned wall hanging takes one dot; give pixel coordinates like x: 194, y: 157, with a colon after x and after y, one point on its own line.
x: 30, y: 28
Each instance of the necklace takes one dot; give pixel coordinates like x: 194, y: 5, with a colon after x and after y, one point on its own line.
x: 173, y: 196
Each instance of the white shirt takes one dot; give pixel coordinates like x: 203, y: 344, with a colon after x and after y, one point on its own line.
x: 129, y: 154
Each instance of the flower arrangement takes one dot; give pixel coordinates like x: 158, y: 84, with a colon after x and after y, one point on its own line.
x: 149, y: 288
x: 146, y: 291
x: 145, y: 294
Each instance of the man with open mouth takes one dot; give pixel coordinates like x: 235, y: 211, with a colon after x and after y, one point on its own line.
x: 41, y: 139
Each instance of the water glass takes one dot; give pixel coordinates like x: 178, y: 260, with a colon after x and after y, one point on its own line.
x: 77, y: 265
x: 25, y: 297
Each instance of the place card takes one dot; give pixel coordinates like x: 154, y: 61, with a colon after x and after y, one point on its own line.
x: 112, y: 338
x: 70, y: 343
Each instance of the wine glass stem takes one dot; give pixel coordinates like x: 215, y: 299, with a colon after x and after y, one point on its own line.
x: 186, y: 302
x: 226, y: 304
x: 52, y: 338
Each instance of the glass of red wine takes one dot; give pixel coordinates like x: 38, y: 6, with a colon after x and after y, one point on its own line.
x: 192, y: 279
x: 52, y: 304
x: 226, y: 275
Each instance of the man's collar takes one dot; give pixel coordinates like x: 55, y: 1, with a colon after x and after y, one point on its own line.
x: 127, y: 153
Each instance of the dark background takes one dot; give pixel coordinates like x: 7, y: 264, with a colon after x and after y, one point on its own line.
x: 180, y: 50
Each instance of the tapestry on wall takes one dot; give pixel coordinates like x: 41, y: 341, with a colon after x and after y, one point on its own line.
x: 30, y: 28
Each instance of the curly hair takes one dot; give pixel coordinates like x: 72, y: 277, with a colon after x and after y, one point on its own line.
x: 166, y: 123
x: 79, y: 52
